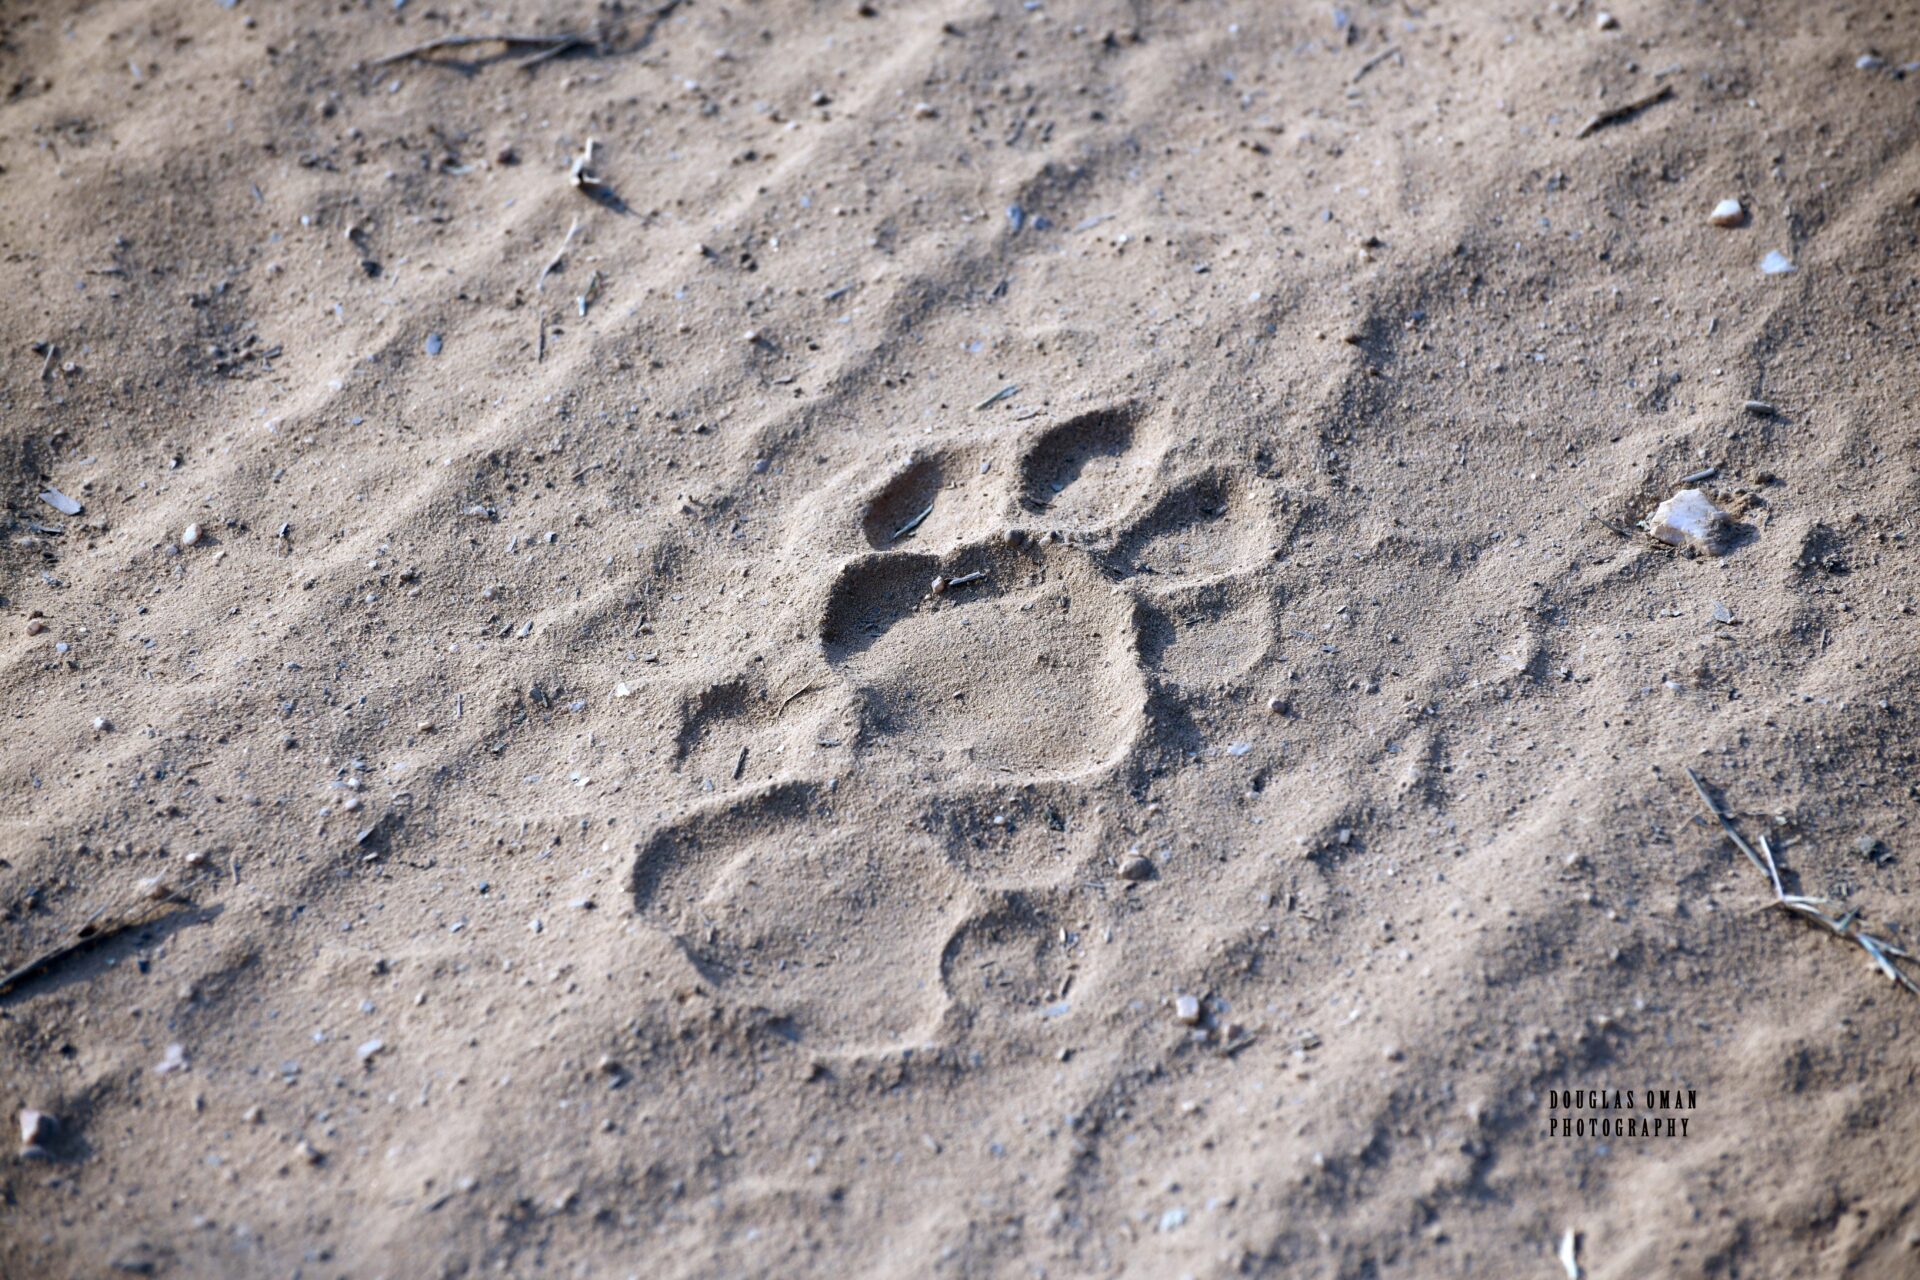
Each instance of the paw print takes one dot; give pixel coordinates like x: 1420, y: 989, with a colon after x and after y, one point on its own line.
x: 1000, y: 615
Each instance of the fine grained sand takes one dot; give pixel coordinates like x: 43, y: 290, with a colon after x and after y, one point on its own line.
x: 811, y: 954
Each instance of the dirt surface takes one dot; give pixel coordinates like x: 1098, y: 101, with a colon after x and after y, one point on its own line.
x: 608, y: 835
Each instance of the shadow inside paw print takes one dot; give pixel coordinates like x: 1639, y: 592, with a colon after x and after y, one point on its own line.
x: 1028, y: 670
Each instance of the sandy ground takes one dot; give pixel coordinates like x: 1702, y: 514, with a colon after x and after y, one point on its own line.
x: 597, y: 845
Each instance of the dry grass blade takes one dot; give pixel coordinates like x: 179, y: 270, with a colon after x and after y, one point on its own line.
x: 1625, y: 109
x: 551, y: 45
x: 1879, y: 950
x: 96, y: 931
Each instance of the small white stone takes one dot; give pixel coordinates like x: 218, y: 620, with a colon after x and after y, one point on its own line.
x: 190, y: 535
x: 1689, y: 517
x: 1605, y: 21
x: 370, y: 1048
x: 1776, y: 264
x: 175, y: 1059
x: 36, y: 1128
x: 925, y: 111
x: 1187, y: 1009
x: 1726, y: 214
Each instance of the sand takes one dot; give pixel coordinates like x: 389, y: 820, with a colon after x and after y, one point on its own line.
x: 591, y: 845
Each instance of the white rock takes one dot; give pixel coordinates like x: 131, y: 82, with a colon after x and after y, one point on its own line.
x: 1775, y: 263
x: 36, y: 1128
x: 1726, y: 214
x: 1187, y: 1009
x: 174, y: 1060
x: 1605, y: 21
x: 190, y: 535
x: 370, y: 1048
x: 1689, y: 517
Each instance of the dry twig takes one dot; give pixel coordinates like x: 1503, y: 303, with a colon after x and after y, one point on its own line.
x: 1847, y: 925
x: 1625, y: 109
x: 550, y: 46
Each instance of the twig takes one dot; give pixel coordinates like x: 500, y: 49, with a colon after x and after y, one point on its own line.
x: 1882, y: 952
x: 540, y: 287
x: 91, y: 934
x: 1374, y: 61
x: 581, y: 173
x: 1610, y: 524
x: 1621, y: 112
x: 1705, y: 473
x: 911, y: 525
x: 997, y: 397
x: 795, y: 696
x: 942, y: 585
x: 552, y: 44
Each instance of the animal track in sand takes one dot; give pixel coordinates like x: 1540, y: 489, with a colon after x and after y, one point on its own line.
x: 1088, y: 469
x: 1034, y: 672
x: 1029, y: 671
x: 723, y: 883
x: 937, y: 497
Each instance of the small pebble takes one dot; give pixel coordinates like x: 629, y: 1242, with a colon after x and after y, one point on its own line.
x: 36, y: 1131
x: 1727, y: 214
x: 35, y: 626
x: 1137, y: 868
x: 925, y: 111
x: 371, y: 1047
x: 1187, y: 1009
x: 102, y: 725
x: 433, y: 344
x: 1869, y: 62
x: 190, y: 535
x: 939, y: 586
x: 175, y: 1059
x: 1277, y: 705
x: 1776, y: 264
x: 1759, y: 408
x: 1604, y: 21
